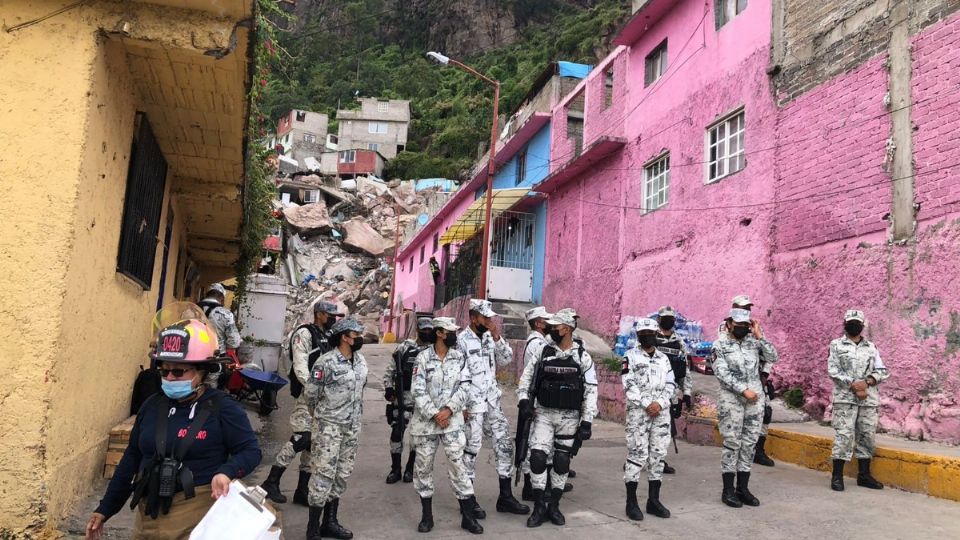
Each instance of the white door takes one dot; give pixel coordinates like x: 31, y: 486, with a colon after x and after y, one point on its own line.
x: 511, y: 257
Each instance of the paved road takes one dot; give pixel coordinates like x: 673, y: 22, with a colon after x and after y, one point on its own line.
x: 797, y: 502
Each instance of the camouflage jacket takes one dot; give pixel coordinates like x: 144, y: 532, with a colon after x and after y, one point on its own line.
x: 335, y: 388
x: 738, y: 363
x: 647, y: 378
x: 437, y: 384
x: 849, y: 362
x: 483, y: 356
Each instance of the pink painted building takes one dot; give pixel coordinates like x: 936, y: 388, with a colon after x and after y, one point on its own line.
x: 800, y: 155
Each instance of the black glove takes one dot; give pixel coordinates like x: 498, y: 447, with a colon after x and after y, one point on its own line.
x: 526, y: 408
x: 688, y: 402
x: 676, y: 409
x: 389, y: 394
x: 586, y: 431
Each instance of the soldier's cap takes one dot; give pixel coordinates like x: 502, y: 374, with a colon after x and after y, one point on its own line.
x: 326, y: 307
x: 742, y: 300
x: 667, y: 311
x: 854, y: 315
x: 346, y: 325
x: 739, y: 315
x: 217, y: 288
x: 424, y: 323
x: 538, y: 312
x: 645, y: 324
x: 570, y: 311
x: 483, y: 307
x: 562, y: 317
x: 445, y: 323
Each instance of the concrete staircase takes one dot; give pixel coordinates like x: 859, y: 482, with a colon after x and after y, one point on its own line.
x: 514, y: 321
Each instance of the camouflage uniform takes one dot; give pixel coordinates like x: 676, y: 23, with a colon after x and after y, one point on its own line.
x: 855, y: 421
x: 647, y: 378
x: 228, y: 337
x: 335, y: 395
x: 555, y: 428
x: 486, y: 413
x: 737, y: 365
x: 437, y: 384
x: 390, y: 381
x: 534, y: 345
x: 300, y: 418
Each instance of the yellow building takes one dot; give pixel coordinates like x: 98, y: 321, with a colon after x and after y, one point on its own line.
x: 122, y: 130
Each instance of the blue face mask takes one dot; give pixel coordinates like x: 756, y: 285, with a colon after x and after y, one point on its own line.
x: 176, y: 389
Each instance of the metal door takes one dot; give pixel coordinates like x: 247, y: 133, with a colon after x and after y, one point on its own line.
x: 511, y: 257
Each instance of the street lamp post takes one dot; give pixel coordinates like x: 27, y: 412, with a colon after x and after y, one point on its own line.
x: 491, y: 166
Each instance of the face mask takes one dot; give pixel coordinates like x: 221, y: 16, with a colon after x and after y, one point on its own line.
x: 853, y: 328
x: 427, y: 336
x: 357, y: 344
x: 329, y: 324
x: 481, y: 330
x: 741, y: 332
x: 555, y: 336
x: 647, y: 340
x: 667, y: 323
x: 450, y: 340
x: 176, y: 389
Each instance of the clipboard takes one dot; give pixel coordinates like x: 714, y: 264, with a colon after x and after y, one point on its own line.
x: 239, y: 515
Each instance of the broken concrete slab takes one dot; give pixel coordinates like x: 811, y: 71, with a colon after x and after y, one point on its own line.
x: 362, y: 238
x: 335, y: 193
x: 309, y: 219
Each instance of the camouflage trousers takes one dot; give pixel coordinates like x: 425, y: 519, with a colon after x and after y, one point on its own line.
x: 647, y: 442
x: 334, y: 452
x: 856, y: 427
x: 553, y: 431
x: 492, y: 424
x: 300, y: 423
x: 426, y: 448
x: 740, y: 425
x: 396, y: 447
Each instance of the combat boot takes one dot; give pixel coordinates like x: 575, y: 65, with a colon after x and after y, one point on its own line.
x: 394, y: 475
x: 467, y: 519
x: 667, y: 469
x: 539, y: 514
x: 507, y: 503
x: 527, y: 492
x: 476, y: 511
x: 729, y: 495
x: 633, y: 509
x: 426, y: 515
x: 743, y: 489
x: 302, y: 493
x: 836, y: 481
x: 864, y: 478
x: 553, y: 508
x: 408, y: 470
x: 654, y: 507
x: 571, y: 474
x: 760, y: 456
x: 272, y: 485
x: 330, y: 527
x: 313, y: 523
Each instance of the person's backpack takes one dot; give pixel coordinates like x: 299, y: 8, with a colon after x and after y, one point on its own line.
x: 296, y: 387
x: 146, y: 385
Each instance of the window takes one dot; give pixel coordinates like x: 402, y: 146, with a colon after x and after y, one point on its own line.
x: 383, y: 106
x: 348, y: 156
x: 309, y: 137
x: 436, y: 242
x: 656, y: 64
x: 301, y: 116
x: 575, y: 123
x: 423, y: 250
x: 311, y: 196
x: 410, y: 269
x: 725, y: 10
x: 377, y: 127
x: 656, y: 183
x: 725, y: 150
x: 608, y: 87
x: 143, y: 201
x: 521, y: 166
x: 373, y: 146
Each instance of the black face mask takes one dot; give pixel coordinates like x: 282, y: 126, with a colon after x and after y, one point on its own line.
x: 450, y: 340
x: 555, y: 336
x: 647, y: 340
x: 329, y: 324
x: 741, y: 332
x: 853, y: 328
x: 481, y: 330
x: 357, y: 344
x: 426, y: 336
x: 667, y: 323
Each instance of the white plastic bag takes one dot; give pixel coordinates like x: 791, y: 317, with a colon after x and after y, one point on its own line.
x: 239, y: 515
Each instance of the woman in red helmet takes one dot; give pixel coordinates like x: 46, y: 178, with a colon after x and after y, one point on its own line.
x: 188, y: 442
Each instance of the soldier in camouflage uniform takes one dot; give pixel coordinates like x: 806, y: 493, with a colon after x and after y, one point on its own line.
x: 649, y: 386
x: 558, y: 389
x: 739, y: 358
x: 223, y: 321
x: 406, y: 354
x: 307, y: 343
x: 335, y: 394
x: 485, y: 349
x: 441, y: 390
x: 855, y: 366
x: 671, y: 344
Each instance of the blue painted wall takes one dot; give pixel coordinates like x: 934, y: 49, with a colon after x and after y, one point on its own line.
x: 539, y: 250
x: 537, y: 165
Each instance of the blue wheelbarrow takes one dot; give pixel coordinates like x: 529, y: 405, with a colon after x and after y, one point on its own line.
x: 257, y: 386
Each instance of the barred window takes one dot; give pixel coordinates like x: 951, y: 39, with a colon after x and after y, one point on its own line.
x: 656, y: 183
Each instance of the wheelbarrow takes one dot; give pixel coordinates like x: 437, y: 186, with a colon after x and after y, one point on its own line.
x: 249, y: 383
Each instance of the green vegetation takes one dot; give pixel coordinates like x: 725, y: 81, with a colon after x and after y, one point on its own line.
x: 614, y: 364
x: 793, y: 397
x: 360, y: 47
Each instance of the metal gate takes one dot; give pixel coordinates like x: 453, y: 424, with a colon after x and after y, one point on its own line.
x: 511, y: 257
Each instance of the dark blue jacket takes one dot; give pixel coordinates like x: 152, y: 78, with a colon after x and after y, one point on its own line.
x: 226, y: 444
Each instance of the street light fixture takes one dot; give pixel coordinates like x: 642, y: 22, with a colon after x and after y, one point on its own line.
x: 445, y: 60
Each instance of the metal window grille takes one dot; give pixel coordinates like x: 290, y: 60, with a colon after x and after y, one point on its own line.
x: 348, y: 156
x: 513, y: 241
x: 143, y: 201
x: 383, y: 106
x: 725, y: 147
x: 655, y: 64
x: 656, y: 184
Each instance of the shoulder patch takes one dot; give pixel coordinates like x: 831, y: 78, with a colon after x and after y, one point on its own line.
x: 318, y: 374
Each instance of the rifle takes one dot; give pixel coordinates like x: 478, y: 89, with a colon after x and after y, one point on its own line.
x: 398, y: 384
x: 522, y: 440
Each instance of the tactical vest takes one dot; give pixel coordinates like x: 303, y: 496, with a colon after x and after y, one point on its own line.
x: 673, y: 348
x: 560, y: 383
x: 208, y: 306
x: 407, y: 362
x: 318, y: 341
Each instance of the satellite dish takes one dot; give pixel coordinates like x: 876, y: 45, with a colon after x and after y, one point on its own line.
x: 422, y: 219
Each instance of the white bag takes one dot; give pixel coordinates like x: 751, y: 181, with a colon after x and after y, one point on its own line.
x: 239, y: 515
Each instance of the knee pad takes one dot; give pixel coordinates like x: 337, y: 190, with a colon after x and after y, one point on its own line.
x: 561, y: 461
x: 538, y: 461
x: 395, y: 434
x: 301, y: 441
